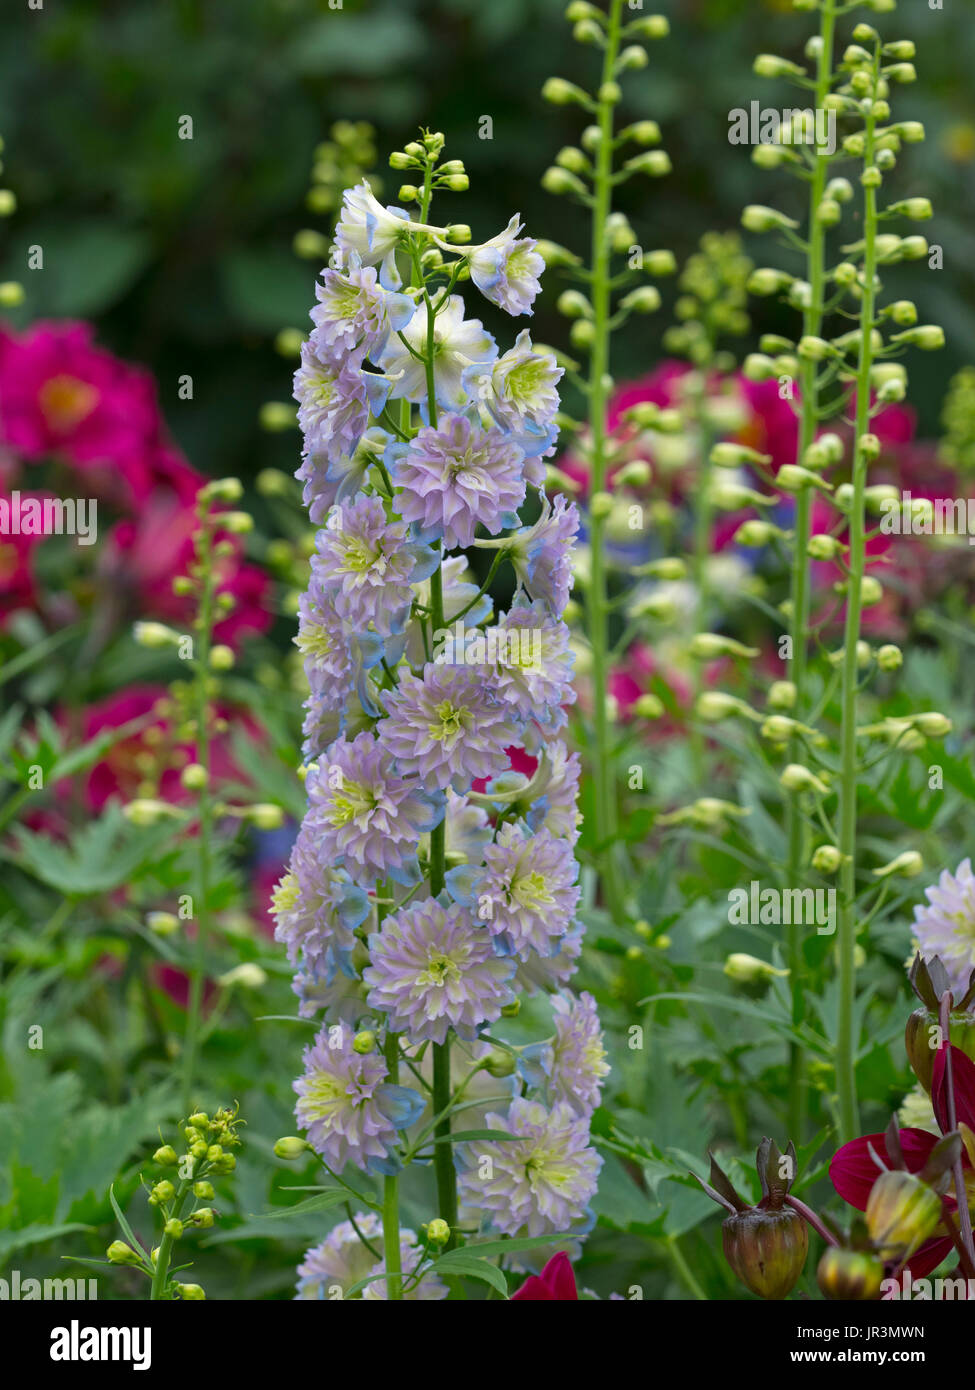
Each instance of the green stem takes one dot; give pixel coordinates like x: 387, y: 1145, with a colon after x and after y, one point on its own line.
x: 391, y: 1241
x: 845, y: 1046
x: 201, y: 913
x: 160, y: 1274
x: 684, y: 1269
x: 603, y: 769
x: 798, y: 844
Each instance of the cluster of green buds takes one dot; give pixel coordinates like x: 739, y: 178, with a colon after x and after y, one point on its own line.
x: 420, y: 158
x: 181, y: 1193
x: 712, y: 302
x: 958, y: 420
x: 766, y: 1244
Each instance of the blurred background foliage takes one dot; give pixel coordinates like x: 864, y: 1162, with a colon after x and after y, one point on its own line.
x: 181, y: 250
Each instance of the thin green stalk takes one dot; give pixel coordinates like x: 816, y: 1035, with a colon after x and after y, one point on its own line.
x: 604, y: 775
x: 201, y: 910
x: 798, y: 844
x: 845, y: 1045
x: 160, y: 1275
x: 391, y: 1239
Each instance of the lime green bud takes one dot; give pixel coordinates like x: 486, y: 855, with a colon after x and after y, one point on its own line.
x: 121, y: 1254
x: 364, y: 1042
x: 194, y: 777
x: 654, y: 26
x: 648, y: 707
x: 749, y: 970
x: 193, y: 1293
x: 636, y: 473
x: 511, y: 1010
x: 610, y: 93
x: 500, y: 1064
x: 11, y: 294
x: 827, y: 859
x: 560, y: 181
x: 248, y: 975
x: 601, y: 505
x: 203, y: 1190
x: 145, y: 811
x: 560, y: 93
x: 203, y: 1217
x: 757, y: 218
x: 929, y: 337
x: 633, y: 58
x: 839, y: 190
x: 164, y: 1191
x: 770, y: 65
x: 728, y: 455
x: 654, y: 163
x: 889, y: 657
x: 705, y: 646
x: 901, y: 72
x: 796, y: 778
x: 291, y: 1147
x: 766, y: 281
x: 754, y: 533
x: 932, y: 724
x: 162, y: 923
x: 173, y: 1228
x: 223, y: 490
x: 913, y: 248
x: 155, y: 635
x: 871, y: 591
x: 8, y: 202
x: 166, y: 1156
x: 829, y: 213
x: 906, y: 865
x: 643, y: 300
x: 582, y: 334
x: 911, y: 132
x: 782, y: 695
x: 438, y: 1232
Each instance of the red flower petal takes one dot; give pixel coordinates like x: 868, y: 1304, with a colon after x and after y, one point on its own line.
x: 929, y: 1256
x: 963, y: 1074
x: 854, y: 1172
x: 556, y: 1282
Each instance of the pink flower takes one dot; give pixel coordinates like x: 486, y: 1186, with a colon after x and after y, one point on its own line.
x: 556, y: 1282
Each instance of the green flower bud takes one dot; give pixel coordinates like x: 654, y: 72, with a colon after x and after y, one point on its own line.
x: 901, y: 72
x: 902, y: 1212
x: 642, y: 133
x: 610, y: 93
x: 223, y: 489
x: 754, y: 533
x: 827, y: 859
x: 929, y: 337
x: 767, y: 281
x: 782, y: 695
x: 364, y: 1043
x: 729, y: 455
x: 163, y: 1191
x: 796, y: 778
x: 560, y: 181
x: 648, y: 707
x: 906, y: 865
x: 438, y: 1232
x: 162, y: 923
x: 823, y: 547
x: 749, y: 970
x: 840, y: 190
x: 582, y: 334
x: 706, y: 646
x: 633, y: 58
x: 932, y: 724
x: 829, y: 213
x: 655, y: 163
x: 771, y: 65
x: 193, y: 1293
x: 757, y: 218
x: 291, y: 1147
x: 203, y: 1190
x: 871, y: 591
x: 654, y: 26
x: 889, y: 657
x: 851, y: 1275
x: 11, y: 294
x: 8, y: 202
x: 714, y: 705
x: 203, y: 1217
x: 173, y: 1228
x: 121, y: 1254
x: 166, y: 1156
x: 914, y: 248
x: 194, y: 777
x: 601, y: 505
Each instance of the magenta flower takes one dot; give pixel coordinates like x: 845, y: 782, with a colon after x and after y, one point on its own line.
x: 556, y: 1283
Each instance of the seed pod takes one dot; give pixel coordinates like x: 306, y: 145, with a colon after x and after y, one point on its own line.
x: 923, y: 1035
x: 852, y: 1275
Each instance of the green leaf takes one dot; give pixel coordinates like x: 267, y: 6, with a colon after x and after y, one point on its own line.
x: 321, y: 1201
x: 35, y: 1234
x: 127, y: 1230
x: 471, y: 1268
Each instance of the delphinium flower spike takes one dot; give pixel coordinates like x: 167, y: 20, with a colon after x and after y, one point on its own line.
x: 430, y: 884
x: 590, y: 174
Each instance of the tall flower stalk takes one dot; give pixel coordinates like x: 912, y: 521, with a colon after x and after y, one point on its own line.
x: 590, y: 175
x: 431, y: 886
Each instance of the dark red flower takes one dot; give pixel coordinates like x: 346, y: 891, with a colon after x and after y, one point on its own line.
x: 556, y: 1281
